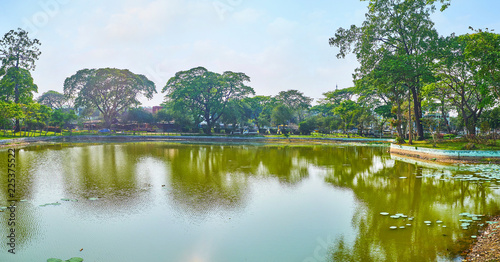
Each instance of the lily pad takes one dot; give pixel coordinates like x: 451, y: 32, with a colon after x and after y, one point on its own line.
x: 473, y: 236
x: 427, y: 222
x: 395, y: 216
x: 93, y: 198
x: 54, y: 260
x: 384, y: 213
x: 75, y: 259
x: 402, y: 227
x: 439, y: 221
x: 67, y: 199
x: 393, y: 227
x: 51, y: 204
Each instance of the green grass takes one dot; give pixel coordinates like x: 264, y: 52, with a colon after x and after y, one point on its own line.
x: 454, y: 145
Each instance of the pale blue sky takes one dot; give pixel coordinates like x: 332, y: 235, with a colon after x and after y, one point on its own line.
x: 281, y: 45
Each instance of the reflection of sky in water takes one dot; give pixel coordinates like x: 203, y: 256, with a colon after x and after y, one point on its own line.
x: 229, y: 203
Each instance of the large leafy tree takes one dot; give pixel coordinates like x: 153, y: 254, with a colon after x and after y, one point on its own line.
x: 17, y: 86
x: 18, y: 54
x: 460, y: 82
x: 206, y: 94
x: 8, y: 112
x: 399, y: 28
x: 483, y: 53
x: 110, y: 90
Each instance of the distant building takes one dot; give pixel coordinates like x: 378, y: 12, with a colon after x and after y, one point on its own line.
x: 156, y: 109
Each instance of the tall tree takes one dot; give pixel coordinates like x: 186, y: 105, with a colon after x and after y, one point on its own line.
x: 110, y: 90
x: 20, y: 52
x: 398, y: 27
x: 206, y: 93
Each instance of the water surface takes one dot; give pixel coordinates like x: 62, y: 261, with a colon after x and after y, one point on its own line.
x: 225, y: 202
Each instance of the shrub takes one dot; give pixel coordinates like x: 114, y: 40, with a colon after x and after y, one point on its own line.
x: 469, y: 146
x: 399, y: 140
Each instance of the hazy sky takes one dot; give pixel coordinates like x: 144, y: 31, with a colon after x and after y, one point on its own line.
x: 279, y: 44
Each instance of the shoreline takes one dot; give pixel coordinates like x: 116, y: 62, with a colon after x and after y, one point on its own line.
x: 105, y: 138
x: 487, y: 245
x: 446, y: 156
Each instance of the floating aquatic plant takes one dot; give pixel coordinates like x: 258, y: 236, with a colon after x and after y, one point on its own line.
x: 51, y: 204
x: 71, y: 200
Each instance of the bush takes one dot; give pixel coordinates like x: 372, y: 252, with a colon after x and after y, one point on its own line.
x: 469, y: 146
x: 399, y: 140
x: 491, y: 142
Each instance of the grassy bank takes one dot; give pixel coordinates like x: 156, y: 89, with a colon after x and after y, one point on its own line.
x: 457, y: 144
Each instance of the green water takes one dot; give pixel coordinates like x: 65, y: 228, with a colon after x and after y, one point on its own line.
x: 213, y: 202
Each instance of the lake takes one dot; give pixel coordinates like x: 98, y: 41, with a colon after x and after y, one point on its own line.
x: 187, y: 202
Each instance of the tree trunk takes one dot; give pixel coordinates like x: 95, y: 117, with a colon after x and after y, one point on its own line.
x: 417, y: 110
x: 208, y: 129
x: 400, y: 122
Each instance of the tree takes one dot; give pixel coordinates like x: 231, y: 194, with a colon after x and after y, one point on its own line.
x: 256, y: 109
x: 237, y: 113
x: 52, y: 99
x: 399, y: 28
x: 483, y: 53
x: 110, y: 90
x: 19, y: 52
x: 139, y: 115
x: 459, y: 82
x: 61, y: 119
x: 296, y: 101
x: 347, y: 110
x: 20, y: 80
x: 8, y: 112
x: 36, y: 116
x: 281, y: 115
x: 205, y: 93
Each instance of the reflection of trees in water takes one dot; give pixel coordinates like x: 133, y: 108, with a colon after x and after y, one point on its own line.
x: 25, y: 217
x: 427, y: 198
x: 203, y: 179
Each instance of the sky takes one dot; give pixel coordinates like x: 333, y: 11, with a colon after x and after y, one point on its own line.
x: 280, y: 45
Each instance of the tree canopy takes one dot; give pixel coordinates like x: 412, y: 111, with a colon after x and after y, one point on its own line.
x: 52, y: 99
x: 206, y: 94
x: 110, y: 90
x: 401, y: 30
